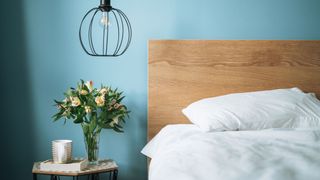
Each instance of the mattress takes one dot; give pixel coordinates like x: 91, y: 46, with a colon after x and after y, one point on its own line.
x: 183, y: 152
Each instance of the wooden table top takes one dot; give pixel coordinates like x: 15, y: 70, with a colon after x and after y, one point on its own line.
x: 105, y: 165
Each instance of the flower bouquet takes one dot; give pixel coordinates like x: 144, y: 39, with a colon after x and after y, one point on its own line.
x: 94, y: 109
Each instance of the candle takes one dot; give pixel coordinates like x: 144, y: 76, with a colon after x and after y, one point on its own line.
x: 62, y: 151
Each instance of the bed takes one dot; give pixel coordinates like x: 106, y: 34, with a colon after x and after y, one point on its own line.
x: 184, y: 71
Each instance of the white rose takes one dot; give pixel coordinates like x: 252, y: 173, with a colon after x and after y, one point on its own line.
x: 103, y: 91
x: 75, y: 101
x: 83, y: 92
x: 100, y: 100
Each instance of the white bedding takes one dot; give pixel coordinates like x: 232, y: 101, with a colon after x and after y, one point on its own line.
x: 183, y: 152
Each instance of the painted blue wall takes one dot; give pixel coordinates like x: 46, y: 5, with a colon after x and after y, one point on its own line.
x: 43, y: 35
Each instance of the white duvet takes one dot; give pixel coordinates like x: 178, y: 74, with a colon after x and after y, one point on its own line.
x: 182, y: 152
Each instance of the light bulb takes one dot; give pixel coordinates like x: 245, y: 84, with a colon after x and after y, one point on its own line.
x: 104, y: 21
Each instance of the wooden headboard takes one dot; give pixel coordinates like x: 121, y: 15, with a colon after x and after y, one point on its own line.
x: 183, y: 71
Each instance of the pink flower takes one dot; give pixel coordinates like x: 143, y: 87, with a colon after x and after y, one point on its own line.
x: 113, y: 102
x: 117, y: 105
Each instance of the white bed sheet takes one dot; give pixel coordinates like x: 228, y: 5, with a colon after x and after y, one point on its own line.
x: 183, y: 152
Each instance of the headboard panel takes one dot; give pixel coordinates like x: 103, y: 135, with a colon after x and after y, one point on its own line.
x: 183, y: 71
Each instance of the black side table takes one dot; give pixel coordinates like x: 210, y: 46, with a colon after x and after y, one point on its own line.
x: 92, y: 171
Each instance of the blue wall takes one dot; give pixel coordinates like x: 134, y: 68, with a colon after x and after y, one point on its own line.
x: 45, y: 58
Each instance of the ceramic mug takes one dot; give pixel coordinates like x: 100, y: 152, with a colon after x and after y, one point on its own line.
x: 62, y: 151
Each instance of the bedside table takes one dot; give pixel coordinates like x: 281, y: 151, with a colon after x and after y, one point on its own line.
x: 105, y: 166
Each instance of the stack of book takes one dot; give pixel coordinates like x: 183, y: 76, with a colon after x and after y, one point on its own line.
x: 74, y: 165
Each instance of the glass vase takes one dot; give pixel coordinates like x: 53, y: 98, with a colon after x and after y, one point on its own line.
x: 91, y: 140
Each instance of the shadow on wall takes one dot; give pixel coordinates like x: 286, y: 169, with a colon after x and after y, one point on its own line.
x: 16, y: 113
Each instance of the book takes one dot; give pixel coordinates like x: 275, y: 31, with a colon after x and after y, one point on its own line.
x: 74, y: 165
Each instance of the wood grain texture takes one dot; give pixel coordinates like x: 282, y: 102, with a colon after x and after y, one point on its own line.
x: 183, y: 71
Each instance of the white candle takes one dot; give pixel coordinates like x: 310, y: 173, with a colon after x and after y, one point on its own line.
x: 61, y: 151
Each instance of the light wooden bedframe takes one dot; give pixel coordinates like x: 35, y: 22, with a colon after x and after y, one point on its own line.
x: 183, y: 71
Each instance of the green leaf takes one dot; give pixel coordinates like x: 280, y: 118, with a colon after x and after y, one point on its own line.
x: 84, y: 87
x: 93, y: 124
x: 56, y: 119
x: 118, y: 126
x: 104, y: 125
x: 57, y: 116
x: 69, y: 92
x: 54, y: 116
x: 78, y: 120
x: 58, y: 102
x: 117, y: 129
x: 120, y: 99
x: 85, y: 129
x: 72, y: 116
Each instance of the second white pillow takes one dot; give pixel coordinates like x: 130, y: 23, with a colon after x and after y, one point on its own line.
x: 280, y: 108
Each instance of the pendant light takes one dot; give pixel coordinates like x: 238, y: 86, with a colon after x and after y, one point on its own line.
x: 105, y: 31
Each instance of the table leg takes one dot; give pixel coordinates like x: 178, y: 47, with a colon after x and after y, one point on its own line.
x: 115, y: 174
x: 34, y: 176
x: 95, y: 176
x: 53, y: 177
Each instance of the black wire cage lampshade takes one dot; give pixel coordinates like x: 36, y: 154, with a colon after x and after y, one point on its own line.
x: 108, y: 36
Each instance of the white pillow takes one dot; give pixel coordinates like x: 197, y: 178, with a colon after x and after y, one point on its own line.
x: 280, y: 108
